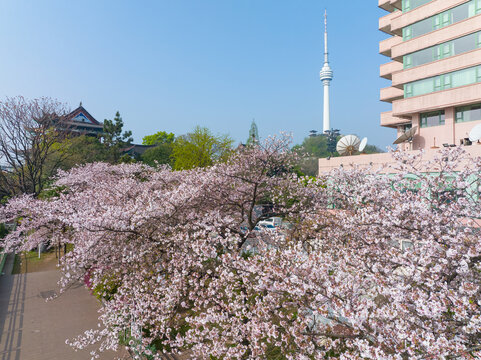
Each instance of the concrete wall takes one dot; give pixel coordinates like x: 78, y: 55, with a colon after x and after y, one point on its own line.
x: 377, y: 161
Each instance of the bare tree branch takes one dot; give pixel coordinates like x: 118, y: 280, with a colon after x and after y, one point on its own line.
x: 28, y: 132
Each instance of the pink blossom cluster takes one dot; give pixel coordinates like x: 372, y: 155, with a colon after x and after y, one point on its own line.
x: 374, y: 265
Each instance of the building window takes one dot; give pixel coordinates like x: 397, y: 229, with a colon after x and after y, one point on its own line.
x: 475, y: 8
x: 446, y: 18
x: 437, y: 84
x: 442, y: 20
x: 408, y: 5
x: 442, y: 82
x: 447, y: 50
x: 434, y: 118
x: 468, y: 113
x: 451, y: 16
x: 447, y: 81
x: 407, y: 33
x: 408, y: 90
x: 444, y: 50
x: 437, y: 53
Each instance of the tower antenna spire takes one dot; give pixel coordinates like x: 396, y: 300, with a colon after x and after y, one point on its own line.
x: 326, y: 78
x: 325, y: 37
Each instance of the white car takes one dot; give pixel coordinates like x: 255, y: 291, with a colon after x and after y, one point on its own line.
x: 272, y: 222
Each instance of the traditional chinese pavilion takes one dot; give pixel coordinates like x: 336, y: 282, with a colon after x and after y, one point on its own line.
x: 80, y: 121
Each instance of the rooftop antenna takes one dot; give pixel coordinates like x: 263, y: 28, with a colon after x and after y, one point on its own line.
x: 326, y: 60
x: 348, y: 145
x: 363, y: 144
x: 475, y: 133
x: 407, y: 136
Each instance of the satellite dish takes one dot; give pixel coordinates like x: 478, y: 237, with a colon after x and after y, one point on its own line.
x: 406, y: 136
x: 348, y: 145
x: 363, y: 144
x: 475, y: 133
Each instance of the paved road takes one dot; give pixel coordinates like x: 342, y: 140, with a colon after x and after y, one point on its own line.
x: 33, y: 329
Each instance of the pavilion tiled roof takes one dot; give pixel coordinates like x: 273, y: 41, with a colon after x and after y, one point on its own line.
x: 82, y: 110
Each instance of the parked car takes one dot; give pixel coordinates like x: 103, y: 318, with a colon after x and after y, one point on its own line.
x: 272, y: 222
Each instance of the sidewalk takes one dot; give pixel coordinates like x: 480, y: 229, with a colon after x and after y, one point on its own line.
x: 33, y: 329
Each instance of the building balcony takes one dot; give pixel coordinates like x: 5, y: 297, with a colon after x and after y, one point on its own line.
x: 390, y: 5
x: 386, y: 46
x: 427, y: 10
x: 464, y: 95
x: 390, y: 94
x: 385, y: 23
x: 386, y: 70
x: 461, y: 61
x: 388, y: 120
x: 436, y: 37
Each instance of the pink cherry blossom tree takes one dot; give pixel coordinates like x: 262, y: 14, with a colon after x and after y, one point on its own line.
x: 375, y: 265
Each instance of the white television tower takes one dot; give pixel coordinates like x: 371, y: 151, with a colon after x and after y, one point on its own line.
x: 326, y: 78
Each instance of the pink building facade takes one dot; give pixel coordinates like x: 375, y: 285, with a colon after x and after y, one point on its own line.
x: 434, y: 51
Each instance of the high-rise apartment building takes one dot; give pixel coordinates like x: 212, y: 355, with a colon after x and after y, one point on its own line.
x: 435, y: 69
x: 435, y: 72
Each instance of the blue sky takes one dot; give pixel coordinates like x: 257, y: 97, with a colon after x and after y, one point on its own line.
x: 174, y: 64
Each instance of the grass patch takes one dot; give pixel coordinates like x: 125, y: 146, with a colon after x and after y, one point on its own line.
x: 17, y: 265
x: 28, y: 261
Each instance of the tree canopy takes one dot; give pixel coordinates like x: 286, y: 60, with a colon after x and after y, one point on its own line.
x: 369, y: 267
x: 114, y: 139
x: 76, y: 150
x: 28, y: 133
x: 200, y: 148
x: 160, y: 137
x: 162, y: 152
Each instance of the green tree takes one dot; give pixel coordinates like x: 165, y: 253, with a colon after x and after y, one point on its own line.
x: 372, y: 149
x: 160, y: 137
x: 200, y: 148
x: 315, y: 147
x: 113, y: 138
x: 162, y: 152
x: 76, y: 150
x: 3, y: 230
